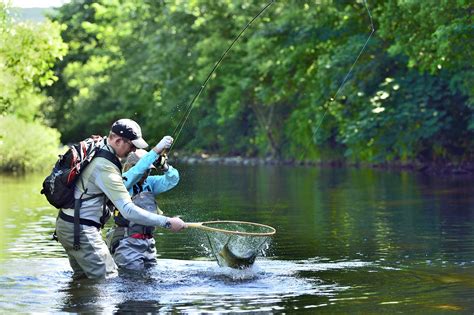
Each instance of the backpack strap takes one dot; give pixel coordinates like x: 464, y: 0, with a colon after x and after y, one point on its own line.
x: 78, y: 202
x: 114, y: 159
x: 77, y: 221
x: 109, y: 156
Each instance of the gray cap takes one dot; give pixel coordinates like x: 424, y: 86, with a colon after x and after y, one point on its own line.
x: 130, y: 130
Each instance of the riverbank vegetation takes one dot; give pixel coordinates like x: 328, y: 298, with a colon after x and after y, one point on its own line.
x: 28, y: 52
x: 409, y: 98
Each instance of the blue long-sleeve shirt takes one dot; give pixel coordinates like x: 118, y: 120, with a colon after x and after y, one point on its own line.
x: 156, y: 183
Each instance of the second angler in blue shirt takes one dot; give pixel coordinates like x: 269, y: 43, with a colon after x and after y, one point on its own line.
x: 133, y: 245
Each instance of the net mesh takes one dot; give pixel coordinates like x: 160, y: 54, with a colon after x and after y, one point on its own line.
x: 237, y: 244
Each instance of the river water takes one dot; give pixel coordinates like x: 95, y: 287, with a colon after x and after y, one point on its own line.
x: 347, y: 241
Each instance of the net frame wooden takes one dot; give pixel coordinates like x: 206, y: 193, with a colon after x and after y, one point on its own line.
x: 204, y: 226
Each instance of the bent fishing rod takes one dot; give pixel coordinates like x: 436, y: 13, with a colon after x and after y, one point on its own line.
x: 182, y: 122
x: 189, y: 107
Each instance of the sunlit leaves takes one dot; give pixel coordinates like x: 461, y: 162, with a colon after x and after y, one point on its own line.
x: 27, y: 55
x: 279, y: 90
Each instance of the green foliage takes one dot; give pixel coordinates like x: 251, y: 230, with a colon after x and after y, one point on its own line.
x: 27, y: 54
x: 433, y: 34
x: 408, y: 97
x: 408, y: 119
x: 26, y: 146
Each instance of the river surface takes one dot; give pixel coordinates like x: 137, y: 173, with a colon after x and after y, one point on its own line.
x: 347, y: 241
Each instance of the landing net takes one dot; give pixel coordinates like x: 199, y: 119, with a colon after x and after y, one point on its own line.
x: 236, y: 244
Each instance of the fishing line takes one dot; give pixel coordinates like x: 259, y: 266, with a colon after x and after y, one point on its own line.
x: 341, y: 86
x: 182, y: 122
x: 179, y: 127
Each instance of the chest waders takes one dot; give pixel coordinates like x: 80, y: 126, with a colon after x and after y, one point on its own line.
x: 78, y: 203
x: 138, y: 191
x: 145, y: 199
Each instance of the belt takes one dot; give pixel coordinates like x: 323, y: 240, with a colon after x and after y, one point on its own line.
x: 141, y: 236
x: 87, y: 222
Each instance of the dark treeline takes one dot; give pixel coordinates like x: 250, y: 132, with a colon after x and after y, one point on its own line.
x: 409, y: 97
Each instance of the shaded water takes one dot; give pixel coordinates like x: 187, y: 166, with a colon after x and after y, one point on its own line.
x: 347, y: 241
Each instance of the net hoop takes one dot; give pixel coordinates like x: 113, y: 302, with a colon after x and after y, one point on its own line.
x: 204, y: 226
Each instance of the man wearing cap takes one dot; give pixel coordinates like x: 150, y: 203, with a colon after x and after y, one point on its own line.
x: 131, y: 244
x: 99, y: 182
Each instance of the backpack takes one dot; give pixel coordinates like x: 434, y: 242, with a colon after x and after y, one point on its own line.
x: 58, y: 187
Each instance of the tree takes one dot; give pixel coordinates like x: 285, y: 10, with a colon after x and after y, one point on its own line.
x: 409, y: 96
x: 27, y: 54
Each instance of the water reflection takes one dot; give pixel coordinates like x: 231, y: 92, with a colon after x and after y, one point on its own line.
x: 359, y: 241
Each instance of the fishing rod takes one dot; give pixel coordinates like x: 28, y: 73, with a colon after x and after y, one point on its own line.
x: 181, y: 123
x: 346, y: 77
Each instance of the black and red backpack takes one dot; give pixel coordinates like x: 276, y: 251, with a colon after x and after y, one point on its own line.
x: 58, y: 187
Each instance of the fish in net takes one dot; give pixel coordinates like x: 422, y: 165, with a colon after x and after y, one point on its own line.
x: 236, y: 244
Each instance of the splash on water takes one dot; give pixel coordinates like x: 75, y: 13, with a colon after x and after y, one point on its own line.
x: 236, y: 251
x: 181, y: 285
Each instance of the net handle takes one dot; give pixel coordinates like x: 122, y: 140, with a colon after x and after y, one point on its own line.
x: 202, y: 226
